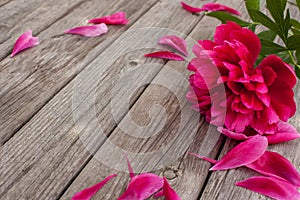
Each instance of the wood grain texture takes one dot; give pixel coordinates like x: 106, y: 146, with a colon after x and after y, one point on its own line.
x: 28, y: 82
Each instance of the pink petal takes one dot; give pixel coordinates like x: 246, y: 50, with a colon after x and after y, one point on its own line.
x: 219, y: 7
x: 271, y: 187
x: 175, y: 42
x: 165, y: 55
x: 25, y: 41
x: 116, y: 18
x: 159, y: 194
x: 210, y: 160
x: 243, y: 154
x: 285, y: 132
x: 274, y: 164
x: 233, y: 135
x: 190, y: 8
x: 87, y: 193
x: 142, y: 187
x: 88, y: 31
x: 169, y: 193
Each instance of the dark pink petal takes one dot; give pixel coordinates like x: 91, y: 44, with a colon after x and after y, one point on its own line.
x: 116, y: 18
x: 219, y: 7
x: 87, y: 193
x: 285, y: 132
x: 88, y: 31
x: 175, y: 42
x: 142, y: 187
x: 190, y: 8
x: 243, y: 154
x: 165, y: 55
x: 274, y: 164
x: 169, y: 193
x: 233, y: 135
x: 25, y: 41
x: 271, y: 187
x: 210, y: 160
x: 159, y: 194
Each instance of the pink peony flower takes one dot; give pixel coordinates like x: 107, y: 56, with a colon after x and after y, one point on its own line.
x: 258, y: 99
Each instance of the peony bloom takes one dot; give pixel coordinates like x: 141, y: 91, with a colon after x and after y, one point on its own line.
x: 258, y: 100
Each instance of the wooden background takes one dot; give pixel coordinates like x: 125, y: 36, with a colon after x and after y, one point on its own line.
x: 44, y: 124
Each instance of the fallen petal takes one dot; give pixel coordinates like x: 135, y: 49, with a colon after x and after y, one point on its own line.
x: 169, y: 193
x: 88, y: 31
x: 210, y: 160
x: 243, y: 154
x: 175, y: 42
x: 271, y: 187
x: 189, y: 8
x: 274, y: 164
x: 232, y: 134
x: 285, y: 132
x: 130, y: 169
x: 219, y: 7
x: 116, y: 18
x: 165, y: 55
x: 142, y: 187
x: 25, y: 41
x: 159, y: 194
x: 87, y: 193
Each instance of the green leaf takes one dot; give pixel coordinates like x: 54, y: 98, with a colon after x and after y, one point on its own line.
x: 224, y: 17
x: 276, y: 8
x: 252, y: 27
x: 287, y: 23
x: 298, y: 3
x: 269, y: 47
x: 293, y: 42
x: 267, y: 35
x: 297, y: 71
x: 260, y: 17
x: 253, y: 4
x: 295, y: 23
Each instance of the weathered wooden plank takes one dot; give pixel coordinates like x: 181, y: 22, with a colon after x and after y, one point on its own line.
x: 48, y: 153
x: 187, y: 174
x: 28, y: 82
x: 18, y: 16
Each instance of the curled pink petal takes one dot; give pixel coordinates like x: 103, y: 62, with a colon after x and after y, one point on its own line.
x: 175, y: 42
x: 232, y: 134
x: 169, y: 193
x: 130, y: 169
x: 284, y: 133
x: 219, y: 7
x: 189, y: 8
x: 165, y: 55
x: 87, y: 193
x: 271, y: 187
x: 142, y: 187
x: 210, y: 160
x: 274, y: 164
x: 243, y: 154
x: 25, y: 41
x: 88, y: 31
x: 116, y: 18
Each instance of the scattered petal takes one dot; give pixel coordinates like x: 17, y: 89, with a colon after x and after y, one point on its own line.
x: 165, y: 55
x: 243, y: 154
x: 87, y: 193
x: 284, y: 133
x: 175, y: 42
x: 274, y: 164
x: 219, y: 7
x: 159, y: 194
x: 25, y: 41
x: 232, y: 134
x: 130, y: 169
x: 142, y: 187
x: 210, y: 160
x: 169, y: 193
x: 189, y: 8
x: 271, y: 187
x: 114, y: 19
x: 88, y: 31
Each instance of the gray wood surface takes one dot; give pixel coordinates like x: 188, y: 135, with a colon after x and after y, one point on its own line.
x: 58, y: 97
